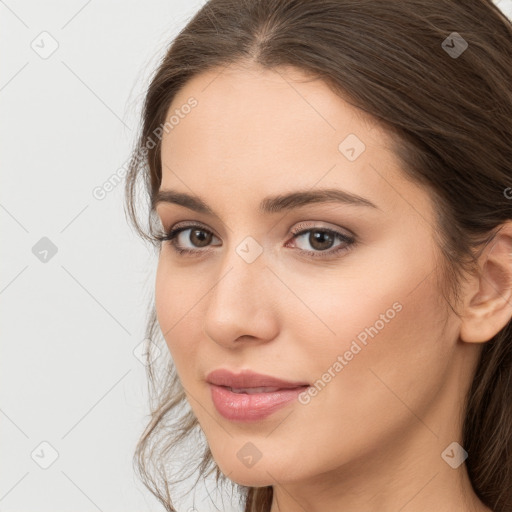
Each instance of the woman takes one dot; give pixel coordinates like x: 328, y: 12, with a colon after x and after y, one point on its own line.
x: 329, y: 184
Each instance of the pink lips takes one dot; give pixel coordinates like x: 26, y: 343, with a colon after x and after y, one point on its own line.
x: 249, y: 404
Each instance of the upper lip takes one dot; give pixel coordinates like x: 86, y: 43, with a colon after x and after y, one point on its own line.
x: 249, y: 379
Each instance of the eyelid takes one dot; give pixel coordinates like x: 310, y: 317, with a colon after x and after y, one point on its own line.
x: 190, y: 224
x: 304, y: 225
x: 310, y: 225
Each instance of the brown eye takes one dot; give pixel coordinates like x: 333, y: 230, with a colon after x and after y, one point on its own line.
x: 200, y: 237
x: 191, y: 244
x: 321, y: 240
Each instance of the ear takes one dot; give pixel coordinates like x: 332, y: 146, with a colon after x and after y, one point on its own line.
x: 488, y: 303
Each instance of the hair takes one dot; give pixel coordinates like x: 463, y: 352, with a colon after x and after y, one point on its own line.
x: 450, y: 119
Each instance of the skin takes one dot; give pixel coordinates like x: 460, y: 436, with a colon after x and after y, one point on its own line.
x: 371, y: 439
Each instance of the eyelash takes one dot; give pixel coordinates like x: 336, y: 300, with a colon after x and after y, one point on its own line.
x: 349, y: 241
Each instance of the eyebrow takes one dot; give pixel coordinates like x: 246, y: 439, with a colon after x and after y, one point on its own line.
x: 271, y: 204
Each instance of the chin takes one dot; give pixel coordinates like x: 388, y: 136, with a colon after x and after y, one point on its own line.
x: 252, y: 473
x: 251, y: 477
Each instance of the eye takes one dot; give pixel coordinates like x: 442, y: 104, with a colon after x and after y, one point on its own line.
x: 198, y: 236
x: 319, y: 238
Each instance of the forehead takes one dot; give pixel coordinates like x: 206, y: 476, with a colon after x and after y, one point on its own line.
x: 257, y: 103
x: 257, y: 131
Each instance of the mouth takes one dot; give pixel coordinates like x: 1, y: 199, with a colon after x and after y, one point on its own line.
x: 253, y: 391
x: 252, y: 404
x: 249, y: 396
x: 247, y: 380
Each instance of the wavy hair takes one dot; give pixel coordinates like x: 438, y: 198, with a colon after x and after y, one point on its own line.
x: 450, y: 118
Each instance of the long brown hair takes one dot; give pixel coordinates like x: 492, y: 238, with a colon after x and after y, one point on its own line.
x: 450, y: 116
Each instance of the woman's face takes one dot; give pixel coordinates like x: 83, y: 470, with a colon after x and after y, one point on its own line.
x: 362, y: 321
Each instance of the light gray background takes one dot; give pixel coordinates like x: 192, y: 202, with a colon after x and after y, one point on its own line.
x: 70, y: 324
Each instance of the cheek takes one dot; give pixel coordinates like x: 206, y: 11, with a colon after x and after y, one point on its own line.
x: 381, y: 308
x: 384, y: 383
x: 389, y: 347
x: 177, y: 310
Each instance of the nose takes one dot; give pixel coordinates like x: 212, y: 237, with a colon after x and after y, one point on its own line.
x: 242, y: 304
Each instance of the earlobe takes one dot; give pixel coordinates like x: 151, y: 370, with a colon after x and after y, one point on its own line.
x: 489, y: 303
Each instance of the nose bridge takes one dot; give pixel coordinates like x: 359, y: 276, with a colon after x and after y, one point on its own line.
x: 242, y: 268
x: 238, y: 304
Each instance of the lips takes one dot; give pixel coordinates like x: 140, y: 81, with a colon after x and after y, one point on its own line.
x: 248, y: 396
x: 248, y: 381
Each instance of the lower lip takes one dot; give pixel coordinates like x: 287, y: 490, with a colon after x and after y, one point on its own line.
x: 245, y: 407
